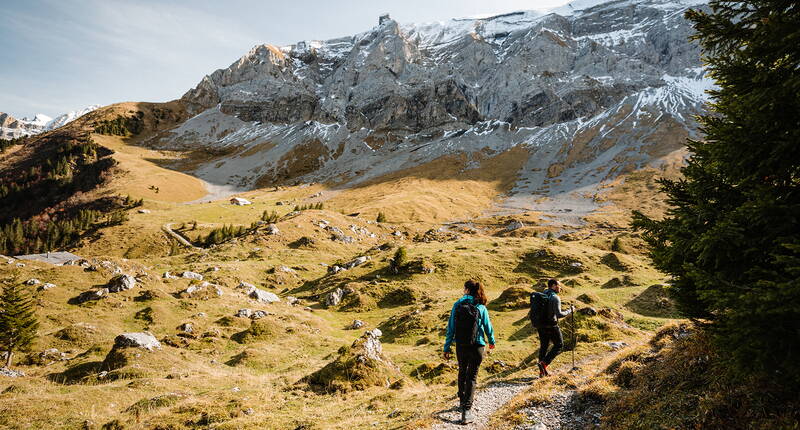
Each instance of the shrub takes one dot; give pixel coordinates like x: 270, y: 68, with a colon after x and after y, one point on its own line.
x: 399, y: 261
x: 381, y: 217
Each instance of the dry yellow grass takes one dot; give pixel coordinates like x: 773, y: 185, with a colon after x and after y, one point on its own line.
x: 441, y: 190
x: 141, y: 173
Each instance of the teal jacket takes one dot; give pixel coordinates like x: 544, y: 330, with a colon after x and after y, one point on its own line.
x: 484, y: 325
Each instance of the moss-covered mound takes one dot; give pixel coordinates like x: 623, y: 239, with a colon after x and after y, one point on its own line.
x: 401, y: 296
x: 357, y: 367
x: 263, y: 329
x: 78, y: 334
x: 544, y: 262
x: 514, y: 297
x: 612, y: 260
x: 254, y: 359
x: 410, y: 323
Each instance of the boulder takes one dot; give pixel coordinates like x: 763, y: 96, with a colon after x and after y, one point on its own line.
x: 87, y: 296
x: 257, y: 315
x: 143, y: 340
x: 335, y: 269
x: 616, y: 345
x: 357, y: 262
x: 144, y: 211
x: 272, y: 229
x: 284, y: 269
x: 292, y: 300
x: 334, y: 297
x: 356, y: 324
x: 192, y: 275
x: 514, y: 225
x: 33, y: 281
x: 121, y: 283
x: 244, y: 313
x: 588, y: 310
x: 187, y: 328
x: 245, y: 285
x: 168, y: 275
x: 263, y: 296
x: 46, y: 286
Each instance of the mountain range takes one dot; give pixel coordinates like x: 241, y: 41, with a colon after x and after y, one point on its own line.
x: 11, y: 127
x: 583, y: 93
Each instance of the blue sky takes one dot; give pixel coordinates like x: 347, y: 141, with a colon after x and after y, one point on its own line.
x: 64, y: 55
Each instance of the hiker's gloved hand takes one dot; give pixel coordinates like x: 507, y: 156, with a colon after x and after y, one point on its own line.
x: 491, y: 346
x: 447, y: 355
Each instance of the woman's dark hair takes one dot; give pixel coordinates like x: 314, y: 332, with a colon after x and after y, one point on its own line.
x: 475, y: 289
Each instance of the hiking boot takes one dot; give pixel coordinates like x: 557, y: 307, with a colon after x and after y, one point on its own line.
x: 466, y: 416
x: 543, y: 369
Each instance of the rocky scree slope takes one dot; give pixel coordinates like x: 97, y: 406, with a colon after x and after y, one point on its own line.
x: 591, y: 90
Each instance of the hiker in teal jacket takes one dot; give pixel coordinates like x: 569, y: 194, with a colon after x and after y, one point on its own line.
x: 469, y: 356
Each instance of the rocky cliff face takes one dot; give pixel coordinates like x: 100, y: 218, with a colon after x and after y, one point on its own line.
x: 592, y: 89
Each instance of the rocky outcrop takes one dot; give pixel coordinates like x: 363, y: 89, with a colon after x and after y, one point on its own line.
x: 121, y: 283
x: 357, y: 367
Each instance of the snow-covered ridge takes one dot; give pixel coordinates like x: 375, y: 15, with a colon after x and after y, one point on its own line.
x: 12, y: 127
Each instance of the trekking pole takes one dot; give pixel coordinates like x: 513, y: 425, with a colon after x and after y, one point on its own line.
x: 574, y: 337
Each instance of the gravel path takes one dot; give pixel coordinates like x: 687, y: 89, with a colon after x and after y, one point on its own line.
x: 562, y: 412
x: 487, y: 401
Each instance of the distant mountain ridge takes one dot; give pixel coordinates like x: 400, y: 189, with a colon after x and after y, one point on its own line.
x: 589, y: 91
x: 11, y: 127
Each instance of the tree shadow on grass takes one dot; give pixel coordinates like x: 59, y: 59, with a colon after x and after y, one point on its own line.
x: 76, y: 374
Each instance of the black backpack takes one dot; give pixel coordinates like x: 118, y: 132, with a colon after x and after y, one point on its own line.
x: 540, y: 314
x: 466, y: 322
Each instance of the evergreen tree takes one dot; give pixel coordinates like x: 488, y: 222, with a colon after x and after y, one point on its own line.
x: 17, y: 321
x: 730, y: 238
x: 381, y: 217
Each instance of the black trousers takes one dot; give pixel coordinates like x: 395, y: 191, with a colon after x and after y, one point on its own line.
x: 469, y: 361
x: 548, y: 335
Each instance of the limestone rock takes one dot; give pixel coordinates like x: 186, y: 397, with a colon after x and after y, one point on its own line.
x: 192, y: 275
x: 144, y: 340
x: 334, y: 297
x: 121, y: 283
x: 33, y: 281
x: 87, y: 296
x: 244, y: 313
x: 263, y: 296
x: 356, y: 324
x: 46, y: 286
x: 514, y: 225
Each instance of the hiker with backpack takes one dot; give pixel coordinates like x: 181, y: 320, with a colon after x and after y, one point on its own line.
x: 544, y: 315
x: 469, y: 324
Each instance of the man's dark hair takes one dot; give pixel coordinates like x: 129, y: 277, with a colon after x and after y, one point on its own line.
x: 551, y: 283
